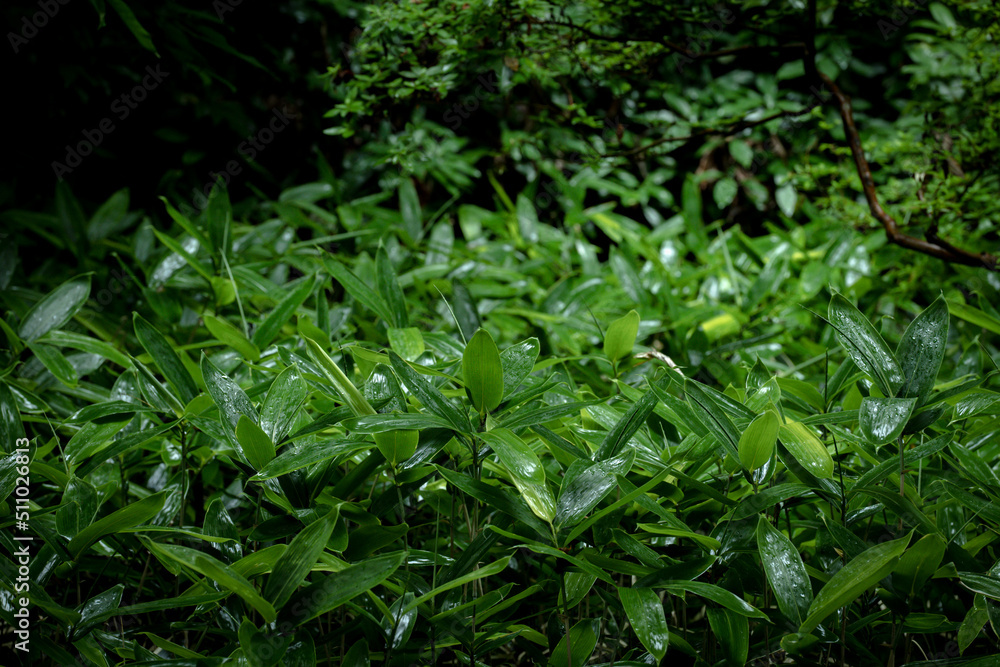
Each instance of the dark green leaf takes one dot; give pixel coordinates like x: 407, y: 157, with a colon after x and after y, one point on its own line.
x: 860, y: 574
x: 282, y: 313
x: 165, y: 358
x: 883, y: 419
x: 483, y: 372
x: 429, y: 395
x: 517, y: 362
x: 785, y: 572
x: 864, y: 345
x: 333, y: 590
x: 389, y: 290
x: 921, y: 351
x: 55, y: 309
x: 298, y: 559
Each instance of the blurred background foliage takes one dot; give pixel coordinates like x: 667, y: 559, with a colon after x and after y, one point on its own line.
x: 574, y: 104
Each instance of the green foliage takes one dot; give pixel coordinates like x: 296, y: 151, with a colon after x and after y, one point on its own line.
x: 547, y: 385
x: 570, y: 493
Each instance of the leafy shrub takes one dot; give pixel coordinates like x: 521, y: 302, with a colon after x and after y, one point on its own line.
x: 382, y: 435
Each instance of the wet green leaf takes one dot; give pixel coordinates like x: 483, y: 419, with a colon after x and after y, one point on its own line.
x: 127, y: 517
x: 525, y: 469
x: 214, y: 570
x: 353, y: 398
x: 389, y: 290
x: 785, y: 572
x: 883, y: 419
x: 55, y: 309
x: 517, y: 362
x: 645, y: 613
x: 429, y: 395
x: 407, y: 343
x: 330, y: 591
x: 574, y: 649
x: 256, y: 444
x: 397, y: 446
x: 917, y: 565
x: 921, y: 351
x: 264, y: 334
x: 733, y: 632
x: 281, y: 407
x: 803, y: 443
x: 864, y: 345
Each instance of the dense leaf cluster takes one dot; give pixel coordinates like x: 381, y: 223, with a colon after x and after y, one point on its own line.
x: 378, y: 437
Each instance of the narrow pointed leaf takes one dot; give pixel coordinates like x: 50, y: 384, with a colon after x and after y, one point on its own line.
x: 409, y: 209
x: 785, y: 572
x: 576, y: 647
x: 383, y: 387
x: 517, y: 362
x: 714, y: 593
x: 358, y: 289
x: 165, y: 358
x: 55, y: 309
x: 491, y: 496
x: 525, y: 469
x: 429, y: 395
x: 282, y: 313
x: 645, y: 613
x: 389, y: 290
x: 341, y: 383
x: 864, y: 345
x: 128, y: 516
x: 807, y: 448
x: 333, y: 590
x: 299, y: 456
x: 921, y: 351
x: 586, y: 484
x: 482, y: 372
x: 55, y: 363
x: 297, y: 560
x: 231, y: 336
x: 712, y: 417
x: 228, y: 396
x: 860, y: 574
x: 918, y: 564
x: 215, y: 570
x: 628, y: 424
x: 281, y: 407
x: 256, y: 444
x: 733, y: 632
